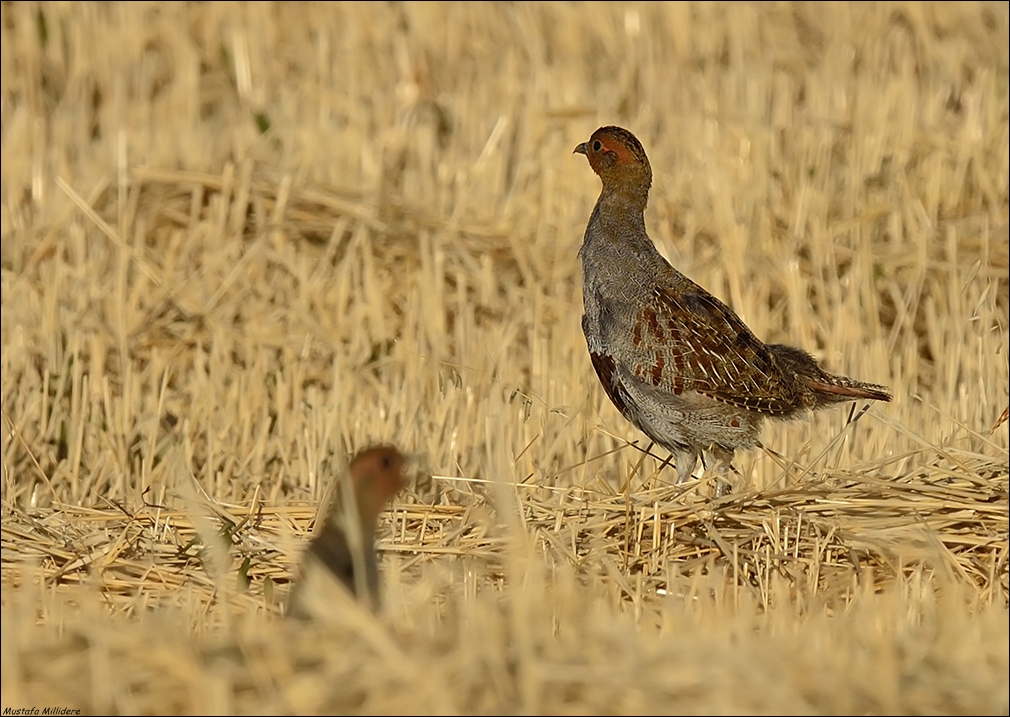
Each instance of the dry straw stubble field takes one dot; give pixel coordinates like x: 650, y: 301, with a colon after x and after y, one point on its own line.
x: 241, y: 242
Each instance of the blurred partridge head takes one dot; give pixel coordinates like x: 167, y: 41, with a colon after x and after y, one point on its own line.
x: 344, y: 544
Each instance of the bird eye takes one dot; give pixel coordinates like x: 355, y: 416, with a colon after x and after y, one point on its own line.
x: 597, y: 146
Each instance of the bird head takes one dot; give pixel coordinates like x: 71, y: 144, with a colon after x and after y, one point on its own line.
x: 616, y: 155
x: 377, y: 475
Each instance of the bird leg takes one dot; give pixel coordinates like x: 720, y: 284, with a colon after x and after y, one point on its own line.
x: 721, y: 465
x: 686, y: 460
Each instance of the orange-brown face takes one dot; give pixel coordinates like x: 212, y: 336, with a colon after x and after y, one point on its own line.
x: 612, y: 146
x: 377, y: 475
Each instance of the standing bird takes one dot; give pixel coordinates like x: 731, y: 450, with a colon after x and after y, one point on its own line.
x: 677, y: 362
x: 345, y: 543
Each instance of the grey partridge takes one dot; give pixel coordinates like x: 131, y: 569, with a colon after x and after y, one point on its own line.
x: 677, y: 362
x: 344, y: 544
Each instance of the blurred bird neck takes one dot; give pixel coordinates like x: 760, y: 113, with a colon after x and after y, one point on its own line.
x: 368, y: 512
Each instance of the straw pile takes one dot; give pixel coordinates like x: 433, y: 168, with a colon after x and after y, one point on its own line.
x: 242, y: 242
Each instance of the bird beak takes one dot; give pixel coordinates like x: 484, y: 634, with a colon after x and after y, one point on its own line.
x: 580, y: 149
x: 414, y: 461
x: 415, y: 468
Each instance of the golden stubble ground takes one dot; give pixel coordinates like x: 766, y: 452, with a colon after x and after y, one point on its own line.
x: 240, y: 242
